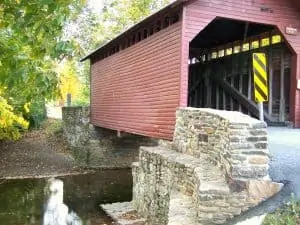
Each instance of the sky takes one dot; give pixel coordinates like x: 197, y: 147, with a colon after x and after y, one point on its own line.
x: 96, y: 4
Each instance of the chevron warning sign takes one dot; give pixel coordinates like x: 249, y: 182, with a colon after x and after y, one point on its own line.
x: 261, y: 90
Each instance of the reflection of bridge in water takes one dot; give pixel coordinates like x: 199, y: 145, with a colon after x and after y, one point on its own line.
x: 22, y: 200
x: 56, y: 212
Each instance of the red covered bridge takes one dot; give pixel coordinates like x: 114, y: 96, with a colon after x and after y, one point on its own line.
x: 197, y: 53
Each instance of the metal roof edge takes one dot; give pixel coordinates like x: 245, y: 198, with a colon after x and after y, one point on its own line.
x: 171, y: 5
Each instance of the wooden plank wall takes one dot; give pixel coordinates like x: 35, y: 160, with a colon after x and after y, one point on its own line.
x: 197, y: 14
x: 137, y: 89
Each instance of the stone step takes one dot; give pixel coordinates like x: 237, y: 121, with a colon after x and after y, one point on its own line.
x: 188, y: 161
x: 123, y: 213
x: 211, y: 179
x: 182, y: 210
x: 216, y: 188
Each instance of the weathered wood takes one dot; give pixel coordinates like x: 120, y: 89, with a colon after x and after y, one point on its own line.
x: 208, y: 92
x: 241, y: 88
x: 242, y: 75
x: 232, y: 91
x: 198, y: 79
x: 224, y: 100
x: 282, y: 97
x: 249, y: 82
x: 232, y: 85
x: 270, y: 103
x: 217, y: 97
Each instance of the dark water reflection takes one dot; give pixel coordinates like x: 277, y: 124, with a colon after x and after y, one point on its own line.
x: 21, y: 201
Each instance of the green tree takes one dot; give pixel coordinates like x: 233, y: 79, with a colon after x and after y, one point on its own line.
x: 10, y: 123
x: 119, y: 15
x: 92, y: 29
x: 31, y: 43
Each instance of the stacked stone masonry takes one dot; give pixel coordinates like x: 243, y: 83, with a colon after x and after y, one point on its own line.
x: 216, y: 169
x: 96, y: 147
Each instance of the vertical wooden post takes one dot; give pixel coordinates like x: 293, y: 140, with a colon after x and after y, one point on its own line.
x: 232, y: 85
x: 208, y: 94
x: 282, y: 97
x: 193, y: 78
x: 249, y: 81
x: 232, y: 77
x: 261, y: 111
x: 196, y: 100
x: 270, y: 103
x: 217, y: 97
x: 224, y: 100
x: 241, y: 88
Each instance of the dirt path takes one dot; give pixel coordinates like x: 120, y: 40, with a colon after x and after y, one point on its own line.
x: 39, y: 153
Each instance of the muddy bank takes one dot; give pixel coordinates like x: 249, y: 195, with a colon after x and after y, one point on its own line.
x: 40, y: 152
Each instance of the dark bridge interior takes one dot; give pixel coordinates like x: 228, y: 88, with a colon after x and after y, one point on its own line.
x: 220, y: 71
x: 224, y: 31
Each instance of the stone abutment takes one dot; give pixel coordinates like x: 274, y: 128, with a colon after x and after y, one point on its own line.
x: 96, y: 147
x: 215, y: 169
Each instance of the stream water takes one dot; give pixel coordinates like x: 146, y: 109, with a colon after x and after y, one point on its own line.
x: 22, y: 201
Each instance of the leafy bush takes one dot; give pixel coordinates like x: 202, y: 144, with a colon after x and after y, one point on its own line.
x: 36, y: 114
x: 10, y: 124
x: 52, y: 127
x: 288, y: 215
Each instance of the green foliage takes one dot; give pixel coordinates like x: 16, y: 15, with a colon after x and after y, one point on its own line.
x: 288, y: 215
x: 52, y: 127
x: 10, y: 124
x: 83, y: 98
x: 116, y: 19
x: 37, y: 114
x: 92, y: 29
x: 38, y: 35
x: 32, y: 42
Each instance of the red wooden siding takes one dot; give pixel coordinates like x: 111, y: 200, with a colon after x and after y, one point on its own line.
x: 198, y: 14
x: 137, y: 90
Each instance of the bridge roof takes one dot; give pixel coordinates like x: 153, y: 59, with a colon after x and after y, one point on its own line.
x: 149, y: 18
x: 136, y: 26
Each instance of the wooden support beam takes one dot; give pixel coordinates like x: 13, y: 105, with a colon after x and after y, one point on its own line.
x: 249, y: 82
x: 201, y: 88
x: 196, y: 103
x: 224, y: 100
x: 232, y: 77
x: 217, y: 97
x: 196, y: 82
x: 270, y: 103
x: 232, y: 85
x: 208, y: 92
x: 249, y: 104
x: 282, y: 97
x: 241, y: 76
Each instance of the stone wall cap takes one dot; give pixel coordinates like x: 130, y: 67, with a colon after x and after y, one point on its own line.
x: 234, y: 117
x: 75, y: 107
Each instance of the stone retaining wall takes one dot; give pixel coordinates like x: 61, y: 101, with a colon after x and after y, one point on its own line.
x: 96, y: 147
x: 76, y: 125
x: 219, y: 159
x: 232, y: 140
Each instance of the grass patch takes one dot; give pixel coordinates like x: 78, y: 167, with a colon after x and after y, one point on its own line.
x: 52, y: 127
x: 289, y: 214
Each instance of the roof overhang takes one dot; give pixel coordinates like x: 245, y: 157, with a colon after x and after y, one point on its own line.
x: 149, y: 18
x: 134, y: 27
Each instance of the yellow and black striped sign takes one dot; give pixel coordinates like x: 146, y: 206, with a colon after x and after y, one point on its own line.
x: 260, y: 77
